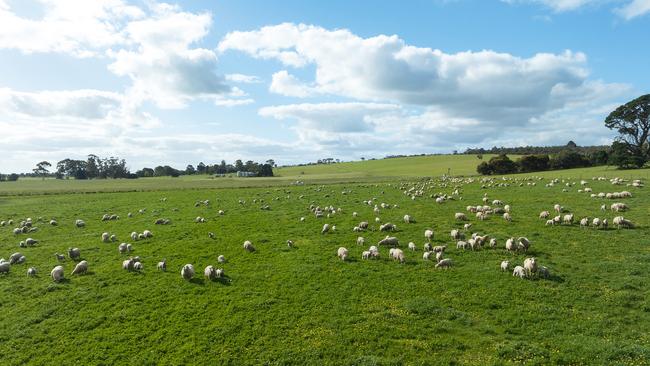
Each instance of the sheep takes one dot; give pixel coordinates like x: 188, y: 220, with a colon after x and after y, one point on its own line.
x: 74, y: 253
x: 530, y: 265
x: 444, y: 263
x: 290, y: 243
x: 407, y: 219
x: 113, y: 238
x: 210, y: 273
x: 80, y: 268
x: 325, y: 229
x: 557, y: 208
x: 605, y: 223
x: 507, y: 217
x: 147, y: 234
x: 439, y: 248
x: 187, y: 272
x: 105, y: 237
x: 162, y: 265
x: 127, y: 264
x: 134, y: 236
x: 544, y: 214
x: 59, y: 257
x: 211, y: 235
x: 505, y: 265
x: 30, y: 242
x: 439, y: 256
x: 603, y: 207
x: 618, y: 207
x: 584, y: 222
x: 523, y: 243
x: 457, y: 235
x: 519, y: 272
x: 53, y: 222
x: 80, y: 223
x: 461, y: 245
x: 596, y: 222
x: 426, y: 256
x: 248, y: 246
x: 428, y: 247
x: 510, y: 244
x: 31, y: 271
x: 568, y: 219
x: 467, y: 226
x: 18, y: 231
x: 620, y: 221
x: 365, y: 254
x: 388, y: 227
x: 360, y: 240
x: 221, y: 259
x: 389, y: 240
x: 428, y: 234
x: 5, y: 267
x: 219, y: 273
x: 493, y: 243
x: 507, y: 208
x: 15, y: 258
x: 544, y: 272
x: 398, y: 255
x: 460, y: 216
x: 363, y: 225
x: 411, y: 246
x: 342, y: 253
x: 302, y: 219
x: 57, y: 274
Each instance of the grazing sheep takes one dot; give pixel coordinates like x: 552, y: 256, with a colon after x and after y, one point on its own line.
x: 398, y: 255
x: 59, y: 257
x: 544, y: 272
x: 510, y: 244
x: 530, y: 265
x: 622, y: 222
x: 162, y: 265
x: 52, y: 222
x: 461, y: 245
x: 363, y: 225
x: 389, y: 240
x: 428, y: 234
x: 31, y: 271
x: 290, y: 243
x: 523, y: 244
x: 248, y: 246
x: 387, y: 227
x: 439, y: 256
x: 439, y: 248
x: 134, y: 236
x: 519, y: 272
x: 122, y: 248
x: 79, y: 223
x: 428, y: 247
x: 507, y: 217
x: 31, y: 242
x: 426, y: 256
x: 342, y: 253
x: 412, y: 246
x: 113, y: 238
x: 219, y: 273
x: 505, y: 265
x: 210, y: 273
x: 57, y: 274
x: 619, y: 207
x: 5, y: 267
x: 80, y: 268
x: 584, y: 222
x: 407, y: 219
x: 325, y: 229
x: 568, y: 219
x: 493, y: 243
x: 444, y: 263
x: 457, y: 235
x: 187, y: 272
x: 507, y: 208
x: 365, y: 254
x: 596, y: 222
x: 557, y: 208
x: 550, y: 222
x: 147, y: 234
x: 605, y: 223
x: 74, y: 253
x: 221, y: 259
x: 603, y: 207
x: 15, y: 258
x: 360, y: 240
x: 18, y: 231
x: 460, y: 216
x: 544, y: 214
x: 211, y: 235
x: 467, y: 226
x: 105, y: 237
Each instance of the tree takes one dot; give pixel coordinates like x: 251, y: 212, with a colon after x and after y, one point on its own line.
x: 623, y: 157
x: 200, y: 168
x: 569, y: 159
x: 571, y: 145
x: 12, y: 177
x: 502, y: 165
x: 533, y: 163
x: 265, y: 170
x: 190, y: 170
x: 41, y: 169
x: 92, y: 166
x: 484, y: 168
x: 632, y: 122
x: 239, y: 165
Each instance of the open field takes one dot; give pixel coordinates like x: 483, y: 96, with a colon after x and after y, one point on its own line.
x: 303, y: 305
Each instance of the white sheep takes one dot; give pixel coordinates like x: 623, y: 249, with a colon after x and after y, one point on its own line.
x: 74, y: 253
x: 248, y: 246
x: 15, y: 258
x: 187, y: 272
x: 388, y: 227
x: 523, y: 243
x: 461, y: 245
x: 147, y: 234
x: 127, y: 264
x: 439, y: 248
x: 584, y: 222
x: 428, y: 234
x: 138, y: 266
x: 360, y: 240
x: 519, y: 272
x: 162, y: 265
x: 325, y: 229
x: 510, y: 244
x: 407, y: 219
x: 105, y: 237
x: 398, y: 255
x: 530, y: 265
x: 507, y: 217
x: 412, y: 246
x: 57, y: 274
x: 389, y: 240
x: 460, y: 216
x: 444, y: 263
x: 544, y: 272
x: 622, y: 222
x: 544, y: 214
x: 221, y: 259
x: 342, y: 253
x: 365, y: 254
x: 5, y: 267
x: 439, y: 256
x: 134, y: 236
x: 596, y: 222
x: 31, y: 271
x: 505, y: 265
x: 426, y: 256
x: 457, y: 235
x: 80, y: 268
x: 507, y: 208
x: 79, y: 223
x: 210, y: 273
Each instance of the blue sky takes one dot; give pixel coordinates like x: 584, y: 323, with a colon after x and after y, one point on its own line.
x: 189, y: 81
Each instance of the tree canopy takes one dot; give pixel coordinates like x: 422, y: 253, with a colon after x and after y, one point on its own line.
x: 632, y: 122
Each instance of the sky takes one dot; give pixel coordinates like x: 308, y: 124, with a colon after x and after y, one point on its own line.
x: 295, y: 81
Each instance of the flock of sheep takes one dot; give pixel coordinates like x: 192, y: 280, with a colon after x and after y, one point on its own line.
x: 461, y: 237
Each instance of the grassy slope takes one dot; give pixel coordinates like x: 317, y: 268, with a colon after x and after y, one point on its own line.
x: 303, y: 306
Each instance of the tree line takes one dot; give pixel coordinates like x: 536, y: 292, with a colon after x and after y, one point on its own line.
x: 259, y: 169
x: 566, y: 159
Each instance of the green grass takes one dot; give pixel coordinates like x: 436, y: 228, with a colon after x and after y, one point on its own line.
x: 303, y: 305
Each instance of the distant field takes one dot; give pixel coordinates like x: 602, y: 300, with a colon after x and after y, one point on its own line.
x: 303, y: 306
x: 362, y: 171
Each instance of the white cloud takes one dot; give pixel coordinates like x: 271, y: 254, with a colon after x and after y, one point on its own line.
x: 634, y: 9
x: 559, y: 5
x: 484, y: 85
x: 286, y: 84
x: 233, y: 102
x: 245, y: 79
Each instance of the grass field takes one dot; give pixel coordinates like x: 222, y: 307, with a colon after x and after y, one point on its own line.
x: 303, y: 305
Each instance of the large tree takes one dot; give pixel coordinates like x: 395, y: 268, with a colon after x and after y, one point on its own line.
x: 632, y: 121
x: 41, y: 169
